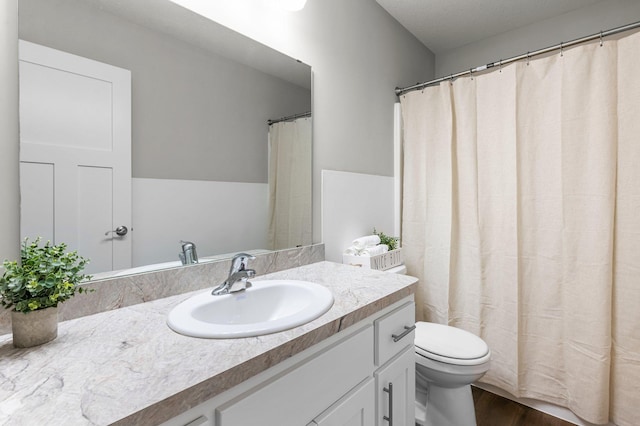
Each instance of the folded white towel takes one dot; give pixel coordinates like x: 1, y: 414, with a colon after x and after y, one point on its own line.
x: 375, y: 250
x: 352, y: 251
x: 364, y: 242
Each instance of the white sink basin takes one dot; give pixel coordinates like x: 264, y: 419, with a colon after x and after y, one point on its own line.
x: 266, y: 307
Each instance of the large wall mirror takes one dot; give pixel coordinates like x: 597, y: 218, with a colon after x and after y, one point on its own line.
x: 204, y: 162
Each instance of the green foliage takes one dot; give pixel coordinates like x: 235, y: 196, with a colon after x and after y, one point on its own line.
x: 392, y: 242
x: 46, y: 276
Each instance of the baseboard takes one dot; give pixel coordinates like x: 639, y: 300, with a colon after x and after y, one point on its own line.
x: 545, y: 407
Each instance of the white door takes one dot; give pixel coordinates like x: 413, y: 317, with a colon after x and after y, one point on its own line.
x: 75, y: 154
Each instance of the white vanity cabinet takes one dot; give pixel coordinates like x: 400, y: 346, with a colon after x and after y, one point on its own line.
x: 340, y: 381
x: 299, y: 393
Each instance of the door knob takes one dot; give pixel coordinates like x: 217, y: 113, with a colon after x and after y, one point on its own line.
x: 120, y: 231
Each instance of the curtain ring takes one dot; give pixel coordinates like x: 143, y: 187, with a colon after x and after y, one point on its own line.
x: 528, y: 58
x: 600, y: 38
x: 500, y: 65
x: 471, y: 72
x: 561, y: 49
x: 451, y: 79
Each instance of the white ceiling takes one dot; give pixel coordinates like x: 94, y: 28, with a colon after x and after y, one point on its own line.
x: 447, y: 24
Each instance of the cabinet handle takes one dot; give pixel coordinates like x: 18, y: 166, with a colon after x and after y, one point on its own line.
x: 406, y: 331
x: 389, y: 390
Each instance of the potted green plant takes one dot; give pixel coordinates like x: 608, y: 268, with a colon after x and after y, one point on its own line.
x: 46, y: 276
x: 391, y: 242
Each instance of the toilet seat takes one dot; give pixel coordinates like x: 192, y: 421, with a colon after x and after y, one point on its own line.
x: 450, y: 345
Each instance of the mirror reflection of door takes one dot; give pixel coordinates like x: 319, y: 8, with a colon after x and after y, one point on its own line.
x: 75, y: 154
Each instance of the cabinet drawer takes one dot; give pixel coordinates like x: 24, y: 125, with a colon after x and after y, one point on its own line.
x: 394, y: 332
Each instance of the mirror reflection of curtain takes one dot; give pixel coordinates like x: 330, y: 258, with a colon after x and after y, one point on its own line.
x: 290, y: 183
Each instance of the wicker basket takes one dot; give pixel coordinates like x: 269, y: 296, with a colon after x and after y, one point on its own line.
x: 379, y: 262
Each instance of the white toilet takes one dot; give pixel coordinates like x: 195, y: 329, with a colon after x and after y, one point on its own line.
x: 448, y: 360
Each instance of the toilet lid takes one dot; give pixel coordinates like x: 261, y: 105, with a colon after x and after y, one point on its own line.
x: 444, y: 341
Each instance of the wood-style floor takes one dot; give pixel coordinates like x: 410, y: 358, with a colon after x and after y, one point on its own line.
x: 493, y: 410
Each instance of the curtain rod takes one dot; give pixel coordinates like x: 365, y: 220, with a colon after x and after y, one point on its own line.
x: 290, y: 117
x: 600, y: 35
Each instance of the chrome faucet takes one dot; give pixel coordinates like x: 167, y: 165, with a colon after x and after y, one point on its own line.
x: 239, y: 275
x: 189, y: 254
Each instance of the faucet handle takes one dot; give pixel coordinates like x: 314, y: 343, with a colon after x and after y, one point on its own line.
x: 186, y: 244
x: 240, y: 262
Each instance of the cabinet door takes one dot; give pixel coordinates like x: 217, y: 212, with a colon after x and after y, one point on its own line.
x: 395, y: 387
x: 357, y: 408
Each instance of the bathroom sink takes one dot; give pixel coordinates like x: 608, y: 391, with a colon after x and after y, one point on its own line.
x: 266, y: 307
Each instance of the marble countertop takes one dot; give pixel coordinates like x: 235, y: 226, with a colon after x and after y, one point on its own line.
x: 127, y: 367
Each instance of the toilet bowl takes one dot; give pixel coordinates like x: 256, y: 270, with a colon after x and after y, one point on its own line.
x: 448, y: 360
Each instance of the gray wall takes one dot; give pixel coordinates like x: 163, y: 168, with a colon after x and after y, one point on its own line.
x: 9, y: 190
x: 359, y: 54
x: 588, y: 20
x: 195, y: 115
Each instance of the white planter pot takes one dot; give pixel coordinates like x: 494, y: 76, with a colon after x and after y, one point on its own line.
x: 34, y: 328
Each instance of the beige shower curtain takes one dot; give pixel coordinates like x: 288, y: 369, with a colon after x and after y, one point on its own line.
x: 521, y: 217
x: 290, y: 184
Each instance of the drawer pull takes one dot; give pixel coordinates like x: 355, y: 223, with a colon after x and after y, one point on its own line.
x: 407, y: 330
x: 389, y: 390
